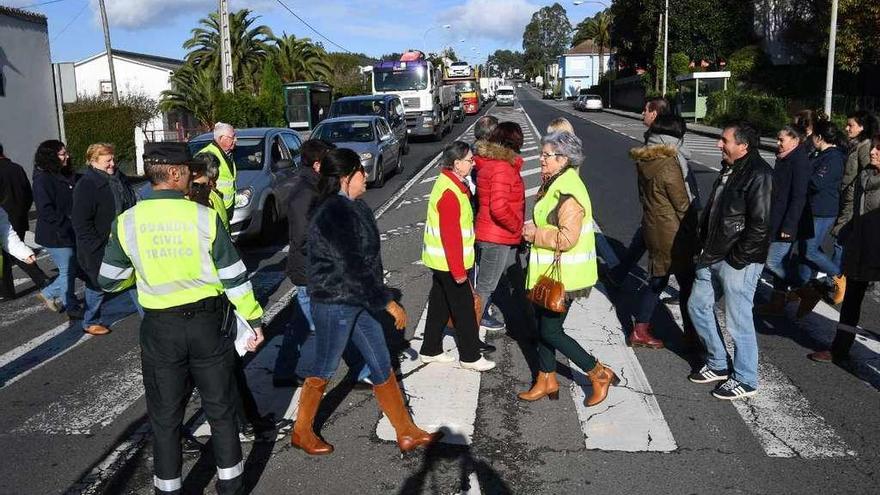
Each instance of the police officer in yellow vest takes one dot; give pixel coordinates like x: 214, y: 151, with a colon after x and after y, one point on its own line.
x: 221, y: 148
x: 183, y: 262
x: 563, y: 221
x: 449, y: 252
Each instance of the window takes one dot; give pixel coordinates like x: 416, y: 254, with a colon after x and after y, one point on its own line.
x: 106, y: 88
x: 382, y: 128
x: 293, y: 145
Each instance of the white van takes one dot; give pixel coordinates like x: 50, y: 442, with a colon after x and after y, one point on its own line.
x: 505, y: 95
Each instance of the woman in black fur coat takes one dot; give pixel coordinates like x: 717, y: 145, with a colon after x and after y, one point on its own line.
x: 346, y: 287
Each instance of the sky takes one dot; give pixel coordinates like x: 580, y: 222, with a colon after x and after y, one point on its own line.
x: 159, y: 27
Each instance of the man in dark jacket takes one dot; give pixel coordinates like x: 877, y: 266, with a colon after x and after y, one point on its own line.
x: 734, y: 238
x: 16, y: 197
x: 298, y: 339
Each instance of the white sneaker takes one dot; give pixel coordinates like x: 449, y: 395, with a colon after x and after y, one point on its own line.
x: 443, y: 357
x: 481, y: 364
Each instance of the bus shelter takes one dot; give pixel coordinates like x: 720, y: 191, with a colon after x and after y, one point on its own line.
x: 695, y: 89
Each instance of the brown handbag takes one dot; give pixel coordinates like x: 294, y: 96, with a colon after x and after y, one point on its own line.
x: 549, y: 291
x: 477, y: 304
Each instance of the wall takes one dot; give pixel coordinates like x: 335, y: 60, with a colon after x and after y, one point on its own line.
x: 580, y: 71
x: 628, y: 93
x: 28, y: 114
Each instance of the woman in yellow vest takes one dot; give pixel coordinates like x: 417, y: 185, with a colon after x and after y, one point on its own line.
x: 204, y: 186
x: 448, y: 251
x: 563, y: 220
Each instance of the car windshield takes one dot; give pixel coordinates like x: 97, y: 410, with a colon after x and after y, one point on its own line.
x: 400, y: 80
x: 505, y: 92
x: 593, y: 97
x: 248, y: 152
x: 357, y: 107
x: 465, y: 86
x: 357, y: 131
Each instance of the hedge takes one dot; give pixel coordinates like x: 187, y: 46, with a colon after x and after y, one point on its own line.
x: 111, y: 125
x: 767, y: 113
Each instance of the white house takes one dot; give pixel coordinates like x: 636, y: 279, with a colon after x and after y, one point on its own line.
x: 579, y: 67
x: 28, y: 112
x: 136, y: 73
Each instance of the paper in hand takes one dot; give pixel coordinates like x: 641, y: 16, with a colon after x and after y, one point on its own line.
x: 243, y: 334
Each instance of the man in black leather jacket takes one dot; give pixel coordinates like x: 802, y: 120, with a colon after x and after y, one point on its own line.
x: 734, y: 239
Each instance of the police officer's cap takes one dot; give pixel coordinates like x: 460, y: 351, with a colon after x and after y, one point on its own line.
x: 167, y: 154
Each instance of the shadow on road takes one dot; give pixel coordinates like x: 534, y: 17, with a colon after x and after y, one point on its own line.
x: 433, y: 458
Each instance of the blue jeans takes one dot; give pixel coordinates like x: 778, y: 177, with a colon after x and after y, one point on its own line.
x: 123, y: 303
x: 62, y: 287
x: 776, y: 261
x: 495, y: 259
x: 338, y: 324
x: 738, y: 288
x: 812, y: 257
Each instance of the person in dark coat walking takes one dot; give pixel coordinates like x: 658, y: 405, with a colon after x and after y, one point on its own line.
x: 99, y: 197
x: 16, y: 198
x: 861, y: 263
x: 53, y: 193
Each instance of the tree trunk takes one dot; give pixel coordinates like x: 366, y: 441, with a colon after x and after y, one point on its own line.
x: 601, y: 61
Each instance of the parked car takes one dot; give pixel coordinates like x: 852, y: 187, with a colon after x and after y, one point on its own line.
x: 505, y: 96
x: 591, y: 103
x: 266, y: 159
x: 458, y: 109
x: 369, y: 135
x: 387, y: 105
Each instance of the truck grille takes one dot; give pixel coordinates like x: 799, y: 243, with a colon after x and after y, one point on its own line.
x: 412, y: 119
x: 411, y: 102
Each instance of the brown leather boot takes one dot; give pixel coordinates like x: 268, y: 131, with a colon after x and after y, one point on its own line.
x: 839, y: 288
x: 810, y: 297
x: 775, y: 307
x: 602, y: 378
x: 545, y: 386
x: 409, y: 436
x: 303, y: 437
x: 641, y: 336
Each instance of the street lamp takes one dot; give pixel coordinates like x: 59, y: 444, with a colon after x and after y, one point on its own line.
x: 829, y: 71
x: 665, y: 45
x: 425, y: 35
x: 579, y: 2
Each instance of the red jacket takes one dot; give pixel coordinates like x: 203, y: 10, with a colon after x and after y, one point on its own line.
x: 500, y: 194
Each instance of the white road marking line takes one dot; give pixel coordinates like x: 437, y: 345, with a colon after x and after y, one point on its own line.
x: 473, y: 487
x: 532, y: 171
x: 636, y: 423
x: 530, y: 158
x: 72, y: 337
x: 530, y: 148
x: 441, y: 395
x: 532, y: 191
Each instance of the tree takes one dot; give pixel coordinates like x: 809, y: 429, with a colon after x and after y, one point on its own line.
x: 597, y: 29
x: 505, y: 61
x: 250, y: 46
x: 546, y: 37
x: 346, y: 77
x: 298, y: 59
x: 193, y: 89
x: 634, y: 32
x: 271, y: 99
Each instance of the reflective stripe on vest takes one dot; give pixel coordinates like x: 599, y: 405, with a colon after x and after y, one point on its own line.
x: 169, y: 243
x: 226, y: 177
x: 219, y: 207
x: 433, y: 253
x: 578, y: 265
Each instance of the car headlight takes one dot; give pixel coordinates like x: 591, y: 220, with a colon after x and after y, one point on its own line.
x: 243, y: 197
x: 366, y: 156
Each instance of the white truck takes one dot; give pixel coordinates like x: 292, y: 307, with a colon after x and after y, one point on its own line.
x: 427, y: 102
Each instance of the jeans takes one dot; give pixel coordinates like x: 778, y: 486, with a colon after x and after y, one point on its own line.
x: 448, y: 298
x: 121, y: 303
x: 552, y: 338
x: 776, y: 260
x: 62, y: 287
x: 812, y: 257
x: 738, y: 288
x: 338, y: 324
x: 495, y: 259
x: 297, y: 351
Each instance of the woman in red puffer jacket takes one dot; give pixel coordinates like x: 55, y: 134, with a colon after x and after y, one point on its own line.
x: 500, y: 210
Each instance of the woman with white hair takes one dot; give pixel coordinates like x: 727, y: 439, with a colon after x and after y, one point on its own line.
x: 563, y: 231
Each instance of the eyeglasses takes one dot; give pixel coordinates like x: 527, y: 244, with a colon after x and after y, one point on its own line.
x: 546, y: 155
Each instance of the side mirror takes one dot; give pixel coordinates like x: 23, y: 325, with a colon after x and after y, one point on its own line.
x: 282, y: 164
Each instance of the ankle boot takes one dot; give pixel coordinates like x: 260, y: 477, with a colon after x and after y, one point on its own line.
x: 839, y: 288
x: 641, y: 336
x: 809, y: 299
x: 601, y: 378
x: 409, y: 436
x: 775, y: 307
x: 545, y: 386
x: 303, y: 437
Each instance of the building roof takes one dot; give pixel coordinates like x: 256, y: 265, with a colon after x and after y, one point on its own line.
x: 588, y: 47
x: 24, y: 15
x: 143, y: 58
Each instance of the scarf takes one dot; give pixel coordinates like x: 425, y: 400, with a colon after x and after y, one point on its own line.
x: 123, y: 195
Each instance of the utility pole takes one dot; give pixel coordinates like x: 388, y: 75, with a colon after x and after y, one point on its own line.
x: 665, y: 46
x: 226, y: 74
x: 832, y: 47
x: 115, y: 94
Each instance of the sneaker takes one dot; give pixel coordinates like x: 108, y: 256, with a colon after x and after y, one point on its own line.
x: 443, y: 357
x: 490, y: 324
x: 708, y: 375
x: 486, y: 347
x: 52, y: 304
x: 733, y: 389
x: 481, y: 364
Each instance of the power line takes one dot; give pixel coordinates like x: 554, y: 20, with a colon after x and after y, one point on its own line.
x: 81, y: 10
x: 310, y: 27
x: 40, y: 4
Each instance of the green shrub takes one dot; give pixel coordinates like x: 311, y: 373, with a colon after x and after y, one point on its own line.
x: 105, y: 125
x: 679, y: 64
x: 745, y: 62
x: 240, y: 109
x: 767, y: 113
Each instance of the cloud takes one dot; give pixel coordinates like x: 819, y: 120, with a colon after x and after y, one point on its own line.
x: 139, y: 14
x: 501, y: 20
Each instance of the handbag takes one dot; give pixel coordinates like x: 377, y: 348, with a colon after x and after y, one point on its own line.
x: 549, y: 291
x: 477, y: 305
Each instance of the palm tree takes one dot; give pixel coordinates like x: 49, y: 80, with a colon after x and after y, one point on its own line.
x: 298, y: 59
x: 250, y: 46
x: 193, y: 89
x: 599, y: 30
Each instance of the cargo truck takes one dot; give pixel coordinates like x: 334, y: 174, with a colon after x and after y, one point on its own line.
x: 467, y: 87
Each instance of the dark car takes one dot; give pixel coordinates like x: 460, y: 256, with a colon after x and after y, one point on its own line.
x: 388, y: 106
x: 369, y: 135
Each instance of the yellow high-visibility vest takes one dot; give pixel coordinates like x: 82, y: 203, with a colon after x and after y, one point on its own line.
x: 433, y: 253
x: 227, y: 174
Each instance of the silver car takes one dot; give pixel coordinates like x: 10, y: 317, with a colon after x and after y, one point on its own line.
x: 371, y: 138
x: 266, y: 159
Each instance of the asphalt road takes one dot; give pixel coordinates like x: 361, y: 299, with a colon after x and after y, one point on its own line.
x: 73, y: 416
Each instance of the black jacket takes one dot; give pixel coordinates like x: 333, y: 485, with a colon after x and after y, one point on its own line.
x: 823, y: 193
x: 303, y: 191
x: 735, y: 226
x: 53, y: 194
x: 344, y: 258
x: 788, y: 211
x: 16, y: 196
x: 94, y: 210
